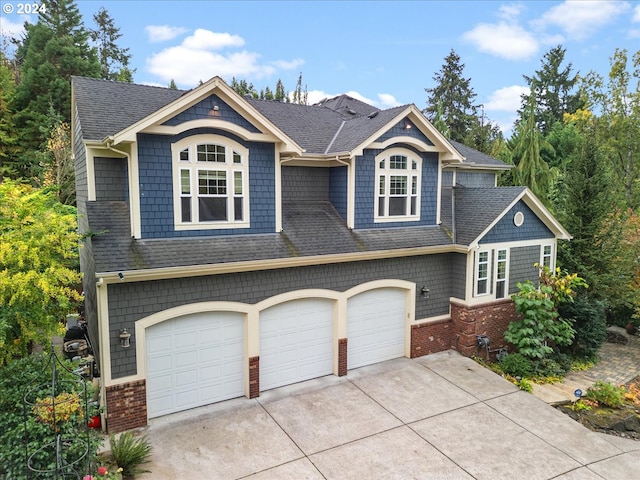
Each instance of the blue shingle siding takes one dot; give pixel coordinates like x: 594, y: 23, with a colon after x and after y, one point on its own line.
x: 447, y: 179
x: 129, y: 302
x: 156, y: 189
x: 458, y: 275
x: 521, y: 269
x: 366, y: 183
x: 203, y: 108
x: 338, y: 180
x: 111, y: 179
x: 305, y: 184
x: 476, y: 179
x: 506, y: 231
x: 399, y: 130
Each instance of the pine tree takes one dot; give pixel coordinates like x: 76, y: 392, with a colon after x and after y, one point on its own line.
x: 531, y: 170
x: 553, y: 87
x: 114, y: 60
x: 281, y: 93
x: 452, y: 99
x: 300, y: 95
x: 172, y: 85
x: 9, y: 144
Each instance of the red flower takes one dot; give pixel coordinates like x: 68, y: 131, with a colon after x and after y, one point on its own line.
x: 102, y: 470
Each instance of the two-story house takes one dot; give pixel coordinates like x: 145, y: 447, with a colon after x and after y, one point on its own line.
x: 235, y: 245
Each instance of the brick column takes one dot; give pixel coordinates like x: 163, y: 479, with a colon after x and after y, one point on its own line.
x: 342, y: 357
x: 126, y: 406
x: 254, y: 377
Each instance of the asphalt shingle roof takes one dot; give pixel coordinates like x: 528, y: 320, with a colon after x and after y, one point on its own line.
x: 106, y: 107
x: 312, y: 228
x: 477, y: 208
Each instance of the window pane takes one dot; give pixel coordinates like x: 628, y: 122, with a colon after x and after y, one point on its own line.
x: 414, y: 165
x: 414, y: 201
x: 238, y: 214
x: 381, y: 212
x: 212, y: 209
x: 482, y: 286
x: 184, y: 155
x: 212, y: 182
x: 502, y: 255
x: 398, y: 162
x: 482, y: 270
x: 397, y: 206
x: 211, y: 153
x: 398, y: 185
x: 381, y: 164
x: 185, y: 182
x: 237, y: 158
x: 381, y: 189
x: 185, y: 203
x: 483, y: 256
x: 500, y: 289
x: 237, y: 183
x: 414, y: 185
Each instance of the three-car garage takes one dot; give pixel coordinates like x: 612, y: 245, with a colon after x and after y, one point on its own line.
x: 201, y: 357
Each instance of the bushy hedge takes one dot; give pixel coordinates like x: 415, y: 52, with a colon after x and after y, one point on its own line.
x: 15, y: 378
x: 589, y: 322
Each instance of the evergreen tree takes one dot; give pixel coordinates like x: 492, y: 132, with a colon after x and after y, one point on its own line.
x: 531, y: 170
x: 452, y: 99
x: 114, y: 60
x: 9, y: 145
x: 281, y: 93
x: 243, y: 88
x: 172, y: 85
x: 51, y: 52
x: 300, y: 95
x: 554, y: 90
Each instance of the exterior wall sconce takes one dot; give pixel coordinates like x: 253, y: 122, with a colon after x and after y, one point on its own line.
x: 425, y: 291
x: 124, y: 338
x: 407, y: 126
x: 214, y: 111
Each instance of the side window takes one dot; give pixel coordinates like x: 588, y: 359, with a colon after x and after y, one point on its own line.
x: 501, y: 273
x: 547, y: 256
x: 211, y: 175
x: 482, y: 273
x: 398, y: 174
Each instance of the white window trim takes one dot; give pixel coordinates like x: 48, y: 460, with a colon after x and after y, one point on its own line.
x: 506, y: 273
x: 387, y: 172
x: 193, y: 166
x: 551, y: 255
x: 476, y: 277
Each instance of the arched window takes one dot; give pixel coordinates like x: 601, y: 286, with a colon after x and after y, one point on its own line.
x: 211, y: 183
x: 398, y: 175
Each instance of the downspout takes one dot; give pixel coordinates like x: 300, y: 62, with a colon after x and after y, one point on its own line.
x: 453, y: 206
x: 350, y: 221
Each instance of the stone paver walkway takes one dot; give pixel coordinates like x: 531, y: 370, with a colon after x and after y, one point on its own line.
x: 618, y: 365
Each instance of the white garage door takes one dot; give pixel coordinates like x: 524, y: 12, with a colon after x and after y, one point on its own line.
x: 194, y: 360
x: 375, y: 326
x: 296, y: 342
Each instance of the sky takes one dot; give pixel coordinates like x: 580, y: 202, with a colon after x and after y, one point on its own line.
x: 382, y: 52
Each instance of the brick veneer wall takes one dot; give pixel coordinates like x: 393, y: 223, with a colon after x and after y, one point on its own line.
x: 342, y: 357
x: 254, y: 377
x: 489, y: 319
x: 126, y: 406
x: 430, y: 338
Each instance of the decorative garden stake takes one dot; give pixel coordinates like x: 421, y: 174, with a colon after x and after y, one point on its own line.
x: 60, y: 410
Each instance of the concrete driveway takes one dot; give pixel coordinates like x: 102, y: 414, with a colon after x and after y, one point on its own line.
x: 437, y: 417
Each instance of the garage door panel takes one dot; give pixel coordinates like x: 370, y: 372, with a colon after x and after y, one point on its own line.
x: 194, y: 360
x: 296, y: 342
x: 375, y: 326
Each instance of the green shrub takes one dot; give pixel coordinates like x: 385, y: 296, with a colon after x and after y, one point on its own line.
x: 517, y: 365
x: 129, y: 452
x: 589, y: 321
x: 606, y: 394
x: 525, y: 385
x: 15, y: 378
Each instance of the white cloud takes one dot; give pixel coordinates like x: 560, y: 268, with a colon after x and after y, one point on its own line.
x: 387, y: 100
x: 206, y: 54
x: 505, y: 40
x: 207, y: 40
x: 636, y: 14
x: 506, y: 99
x: 162, y: 33
x: 13, y: 29
x: 581, y: 18
x: 510, y: 11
